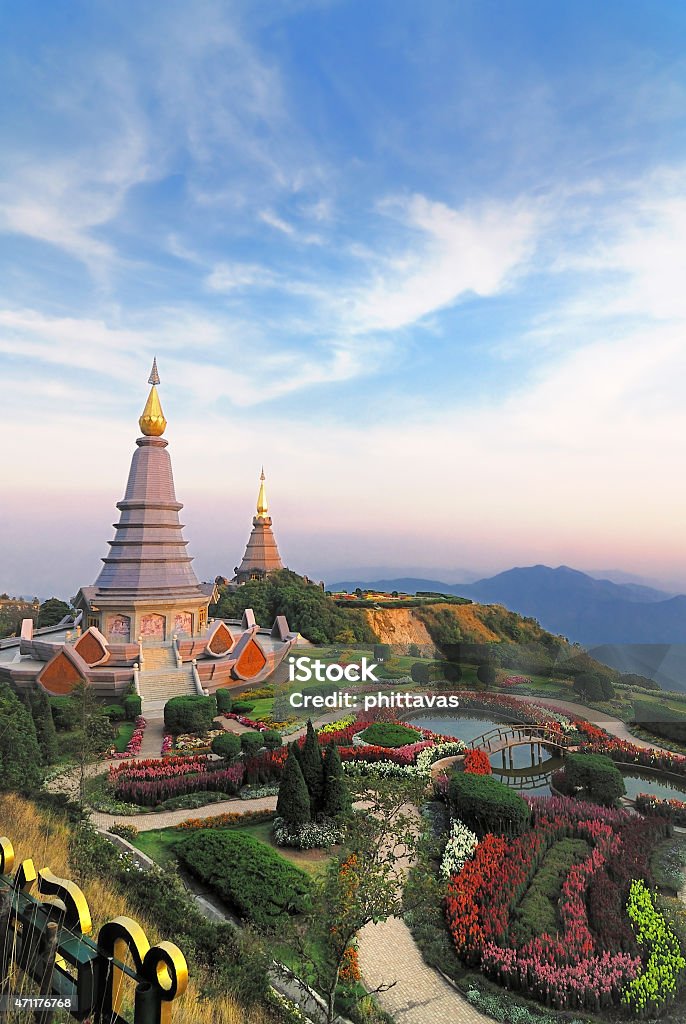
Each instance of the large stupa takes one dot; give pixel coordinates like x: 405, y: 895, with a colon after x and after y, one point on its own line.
x: 261, y: 554
x: 147, y: 588
x: 143, y: 623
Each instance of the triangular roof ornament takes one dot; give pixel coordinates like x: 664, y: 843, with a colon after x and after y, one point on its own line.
x: 154, y: 377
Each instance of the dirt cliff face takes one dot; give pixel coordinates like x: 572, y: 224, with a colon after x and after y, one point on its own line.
x: 398, y: 626
x: 405, y: 626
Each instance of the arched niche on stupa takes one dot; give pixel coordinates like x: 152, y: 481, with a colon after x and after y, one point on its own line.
x: 152, y: 626
x: 118, y: 628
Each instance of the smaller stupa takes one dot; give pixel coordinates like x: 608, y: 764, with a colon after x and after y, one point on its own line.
x: 261, y: 554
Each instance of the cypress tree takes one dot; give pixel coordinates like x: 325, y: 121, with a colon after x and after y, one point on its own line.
x: 313, y: 769
x: 336, y: 793
x: 37, y: 702
x: 293, y: 804
x: 20, y: 756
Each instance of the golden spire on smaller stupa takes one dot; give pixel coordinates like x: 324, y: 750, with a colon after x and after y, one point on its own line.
x: 152, y: 421
x: 262, y: 507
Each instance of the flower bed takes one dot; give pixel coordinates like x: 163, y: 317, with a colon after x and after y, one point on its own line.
x: 226, y: 820
x: 248, y: 722
x: 414, y: 761
x: 624, y: 752
x: 673, y: 810
x: 310, y: 836
x: 151, y: 792
x: 568, y: 970
x: 134, y: 744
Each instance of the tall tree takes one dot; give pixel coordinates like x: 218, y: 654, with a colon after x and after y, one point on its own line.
x: 52, y: 611
x: 38, y: 704
x: 293, y: 804
x: 336, y: 801
x: 20, y: 756
x: 313, y: 768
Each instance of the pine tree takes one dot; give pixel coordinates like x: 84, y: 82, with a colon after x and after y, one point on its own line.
x: 313, y: 769
x: 38, y: 704
x: 337, y: 800
x: 293, y: 804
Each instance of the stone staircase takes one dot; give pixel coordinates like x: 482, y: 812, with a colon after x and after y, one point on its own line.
x: 160, y: 679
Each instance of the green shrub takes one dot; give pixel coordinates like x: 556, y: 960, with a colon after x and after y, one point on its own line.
x: 486, y: 674
x: 115, y: 712
x: 132, y: 706
x: 251, y: 742
x: 190, y: 714
x: 486, y: 805
x: 261, y: 886
x: 227, y: 745
x: 242, y: 707
x: 20, y: 755
x: 271, y: 739
x: 223, y: 700
x: 596, y: 775
x: 36, y: 700
x: 420, y: 672
x: 382, y: 652
x: 65, y: 713
x: 388, y: 734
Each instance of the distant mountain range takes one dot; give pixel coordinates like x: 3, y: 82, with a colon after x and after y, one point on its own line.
x: 565, y: 601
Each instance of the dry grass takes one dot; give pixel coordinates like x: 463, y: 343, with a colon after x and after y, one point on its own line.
x: 45, y: 839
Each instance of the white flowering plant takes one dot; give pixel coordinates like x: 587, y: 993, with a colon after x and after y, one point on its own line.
x: 460, y: 847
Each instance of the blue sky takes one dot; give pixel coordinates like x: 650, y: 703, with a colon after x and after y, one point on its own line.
x: 425, y: 261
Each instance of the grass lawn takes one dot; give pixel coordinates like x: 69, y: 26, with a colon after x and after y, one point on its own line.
x: 160, y: 844
x: 123, y: 736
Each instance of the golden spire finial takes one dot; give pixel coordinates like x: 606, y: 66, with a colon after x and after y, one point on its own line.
x: 262, y: 507
x: 152, y: 421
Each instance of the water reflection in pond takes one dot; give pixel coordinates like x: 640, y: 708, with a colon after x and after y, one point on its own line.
x: 654, y: 785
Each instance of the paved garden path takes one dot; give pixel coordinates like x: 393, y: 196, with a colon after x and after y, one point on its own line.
x: 420, y: 995
x: 612, y: 725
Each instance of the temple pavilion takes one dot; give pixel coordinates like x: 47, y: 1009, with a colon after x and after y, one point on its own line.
x: 261, y: 554
x: 144, y: 623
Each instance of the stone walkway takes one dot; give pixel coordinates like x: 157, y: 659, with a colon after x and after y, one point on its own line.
x: 420, y: 994
x: 612, y: 725
x: 166, y: 819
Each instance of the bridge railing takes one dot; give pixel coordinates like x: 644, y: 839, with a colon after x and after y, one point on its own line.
x: 521, y: 733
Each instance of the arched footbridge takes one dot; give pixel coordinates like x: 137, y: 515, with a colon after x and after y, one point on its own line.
x: 505, y: 737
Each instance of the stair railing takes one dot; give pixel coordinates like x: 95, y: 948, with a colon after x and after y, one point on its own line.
x: 177, y: 653
x: 141, y: 659
x: 199, y: 689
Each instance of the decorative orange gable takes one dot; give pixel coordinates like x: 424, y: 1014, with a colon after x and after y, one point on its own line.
x: 221, y: 641
x: 92, y: 647
x: 62, y: 673
x: 250, y: 661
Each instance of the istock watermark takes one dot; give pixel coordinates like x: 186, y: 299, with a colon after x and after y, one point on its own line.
x: 304, y: 670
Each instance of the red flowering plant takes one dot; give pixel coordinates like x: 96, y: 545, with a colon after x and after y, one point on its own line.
x: 477, y: 762
x: 150, y: 792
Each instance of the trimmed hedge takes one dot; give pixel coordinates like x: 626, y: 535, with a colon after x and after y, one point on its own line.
x: 272, y: 739
x: 242, y: 707
x: 227, y: 745
x: 388, y: 734
x: 537, y: 911
x: 190, y: 714
x: 261, y: 886
x: 115, y: 712
x: 132, y: 706
x: 484, y: 805
x: 223, y: 700
x: 597, y: 775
